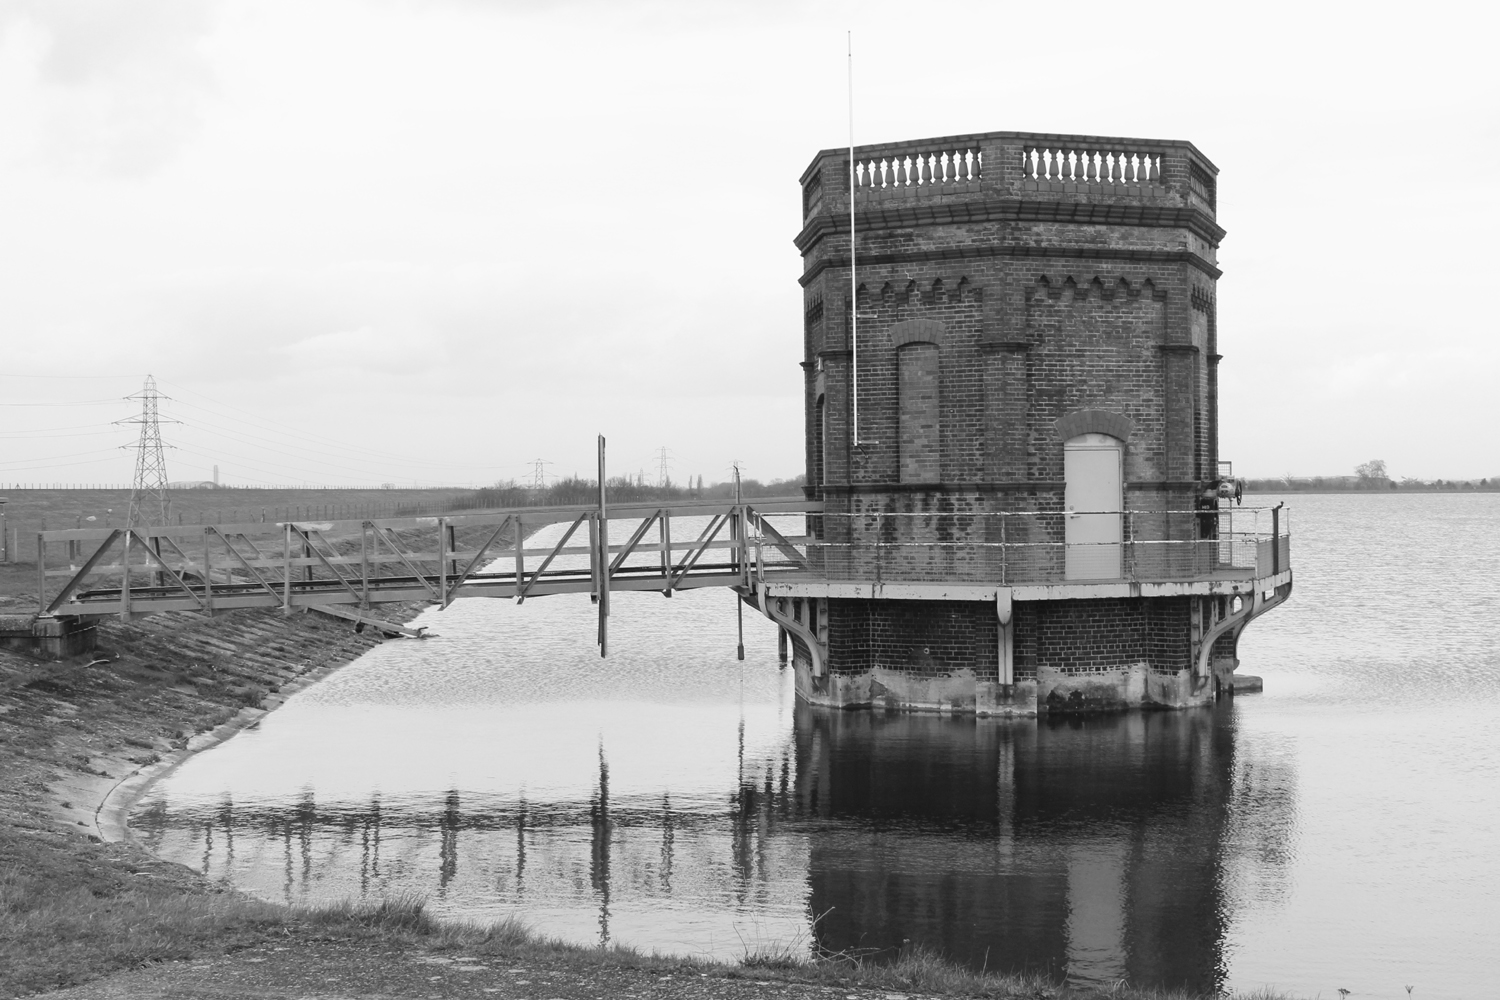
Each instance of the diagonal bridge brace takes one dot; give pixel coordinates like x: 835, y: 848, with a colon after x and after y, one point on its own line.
x: 312, y: 546
x: 523, y: 590
x: 474, y: 563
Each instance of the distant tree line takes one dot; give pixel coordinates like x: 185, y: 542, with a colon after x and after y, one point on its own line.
x: 574, y: 491
x: 1368, y: 476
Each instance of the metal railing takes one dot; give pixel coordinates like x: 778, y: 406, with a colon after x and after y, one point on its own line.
x: 1043, y: 547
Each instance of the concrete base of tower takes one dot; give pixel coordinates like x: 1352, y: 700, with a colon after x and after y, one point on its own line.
x: 956, y: 693
x: 1134, y: 685
x: 1052, y: 692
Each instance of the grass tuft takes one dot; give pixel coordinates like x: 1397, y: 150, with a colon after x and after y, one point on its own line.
x: 402, y: 913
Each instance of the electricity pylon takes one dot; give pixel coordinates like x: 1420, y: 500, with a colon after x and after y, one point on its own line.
x: 539, y: 474
x: 663, y: 475
x: 149, y: 503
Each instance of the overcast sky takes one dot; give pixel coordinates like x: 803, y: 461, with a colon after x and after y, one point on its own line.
x: 377, y: 241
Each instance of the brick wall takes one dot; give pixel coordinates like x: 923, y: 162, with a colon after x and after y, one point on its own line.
x: 924, y: 638
x: 1098, y: 635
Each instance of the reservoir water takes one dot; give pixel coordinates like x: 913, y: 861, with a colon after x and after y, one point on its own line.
x: 1341, y: 830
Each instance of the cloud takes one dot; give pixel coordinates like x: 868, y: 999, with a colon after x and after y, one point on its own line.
x: 118, y: 87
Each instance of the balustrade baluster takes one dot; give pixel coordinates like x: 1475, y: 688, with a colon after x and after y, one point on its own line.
x: 1028, y: 164
x: 924, y: 169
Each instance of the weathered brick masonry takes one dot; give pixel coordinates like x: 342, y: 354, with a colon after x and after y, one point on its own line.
x: 1015, y: 292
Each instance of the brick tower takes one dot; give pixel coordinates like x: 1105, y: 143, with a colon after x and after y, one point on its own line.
x: 1029, y: 515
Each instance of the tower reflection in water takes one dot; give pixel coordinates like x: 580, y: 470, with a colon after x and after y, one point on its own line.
x: 1093, y: 848
x: 1096, y: 849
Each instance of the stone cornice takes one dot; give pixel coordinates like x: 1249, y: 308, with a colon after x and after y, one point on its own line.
x: 937, y: 213
x: 983, y: 252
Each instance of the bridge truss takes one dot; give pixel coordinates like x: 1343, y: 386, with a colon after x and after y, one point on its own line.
x: 358, y: 564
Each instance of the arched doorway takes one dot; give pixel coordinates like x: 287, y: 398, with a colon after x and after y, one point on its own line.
x: 1093, y: 500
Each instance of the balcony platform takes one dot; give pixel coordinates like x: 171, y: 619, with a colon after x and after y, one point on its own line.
x: 1226, y: 584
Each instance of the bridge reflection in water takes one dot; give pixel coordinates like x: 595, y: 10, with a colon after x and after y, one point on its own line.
x: 1094, y: 849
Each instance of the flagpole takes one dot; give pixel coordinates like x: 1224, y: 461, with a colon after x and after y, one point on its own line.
x: 853, y: 284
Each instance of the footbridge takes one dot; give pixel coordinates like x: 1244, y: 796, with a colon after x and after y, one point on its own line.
x: 786, y: 557
x: 349, y: 567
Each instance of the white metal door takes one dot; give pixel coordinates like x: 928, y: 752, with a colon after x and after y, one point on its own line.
x: 1092, y: 499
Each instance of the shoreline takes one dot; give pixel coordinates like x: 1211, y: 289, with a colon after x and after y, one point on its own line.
x: 112, y: 813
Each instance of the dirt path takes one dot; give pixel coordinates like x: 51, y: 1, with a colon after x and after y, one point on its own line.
x: 331, y: 970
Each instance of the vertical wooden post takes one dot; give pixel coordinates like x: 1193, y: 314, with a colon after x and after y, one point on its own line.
x: 41, y: 574
x: 603, y: 558
x: 594, y: 558
x: 666, y: 551
x: 124, y: 575
x: 286, y: 568
x: 442, y: 562
x: 208, y: 572
x: 520, y: 556
x: 364, y: 564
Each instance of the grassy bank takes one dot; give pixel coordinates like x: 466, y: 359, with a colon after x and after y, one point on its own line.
x: 74, y: 909
x: 28, y: 511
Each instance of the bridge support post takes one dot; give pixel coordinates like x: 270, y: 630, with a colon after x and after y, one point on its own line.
x: 1007, y: 639
x: 286, y: 568
x: 442, y: 562
x: 208, y: 574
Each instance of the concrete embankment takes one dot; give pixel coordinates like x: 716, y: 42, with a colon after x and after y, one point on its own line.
x: 154, y: 691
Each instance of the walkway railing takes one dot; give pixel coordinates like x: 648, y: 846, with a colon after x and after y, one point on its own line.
x: 1049, y: 547
x: 295, y: 564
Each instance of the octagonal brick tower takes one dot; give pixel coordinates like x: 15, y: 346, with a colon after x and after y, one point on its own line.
x: 1028, y: 517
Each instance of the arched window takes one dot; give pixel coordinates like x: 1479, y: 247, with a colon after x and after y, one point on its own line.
x: 820, y: 442
x: 1093, y: 499
x: 920, y: 433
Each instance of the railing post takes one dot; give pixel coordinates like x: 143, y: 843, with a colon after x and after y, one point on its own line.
x: 1276, y: 539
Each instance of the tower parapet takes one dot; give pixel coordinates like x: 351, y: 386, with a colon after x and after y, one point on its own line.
x: 1028, y: 515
